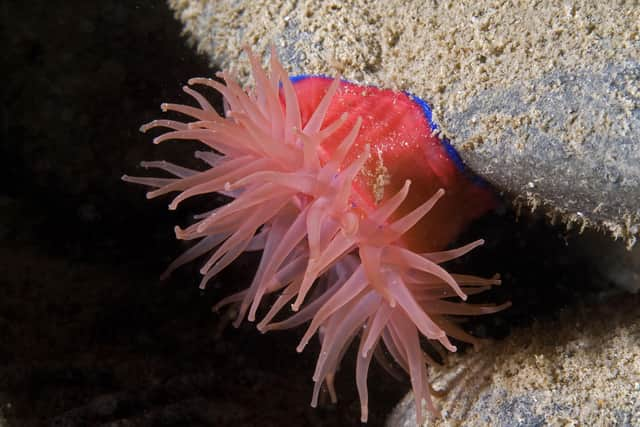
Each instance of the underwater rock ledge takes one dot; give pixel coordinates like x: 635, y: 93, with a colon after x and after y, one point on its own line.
x: 542, y: 101
x: 562, y: 371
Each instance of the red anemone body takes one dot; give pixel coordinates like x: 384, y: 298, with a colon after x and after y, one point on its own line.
x: 404, y: 146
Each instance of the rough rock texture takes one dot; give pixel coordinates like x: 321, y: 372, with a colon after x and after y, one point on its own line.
x: 579, y: 368
x: 541, y: 97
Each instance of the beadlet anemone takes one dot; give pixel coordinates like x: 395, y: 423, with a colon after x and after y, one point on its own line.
x: 352, y: 200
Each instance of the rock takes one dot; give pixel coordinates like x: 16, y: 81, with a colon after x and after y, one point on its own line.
x: 568, y: 141
x: 581, y: 368
x: 541, y: 99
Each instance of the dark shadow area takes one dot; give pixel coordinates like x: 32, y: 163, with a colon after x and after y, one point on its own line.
x: 89, y: 335
x: 544, y: 269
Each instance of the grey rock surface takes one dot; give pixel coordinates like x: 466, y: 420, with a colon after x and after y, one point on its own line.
x: 542, y: 100
x: 575, y: 369
x: 570, y: 140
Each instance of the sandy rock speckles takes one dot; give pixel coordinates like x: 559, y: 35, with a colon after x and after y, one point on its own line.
x: 575, y: 370
x: 576, y: 144
x: 541, y: 93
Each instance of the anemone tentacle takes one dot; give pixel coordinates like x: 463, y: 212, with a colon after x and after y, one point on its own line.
x: 342, y: 266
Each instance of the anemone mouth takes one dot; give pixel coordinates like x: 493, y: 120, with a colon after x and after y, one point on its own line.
x: 342, y: 267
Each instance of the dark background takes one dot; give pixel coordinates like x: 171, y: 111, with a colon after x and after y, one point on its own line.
x: 88, y: 334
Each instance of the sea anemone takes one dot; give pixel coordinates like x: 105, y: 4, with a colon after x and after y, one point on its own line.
x: 352, y: 200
